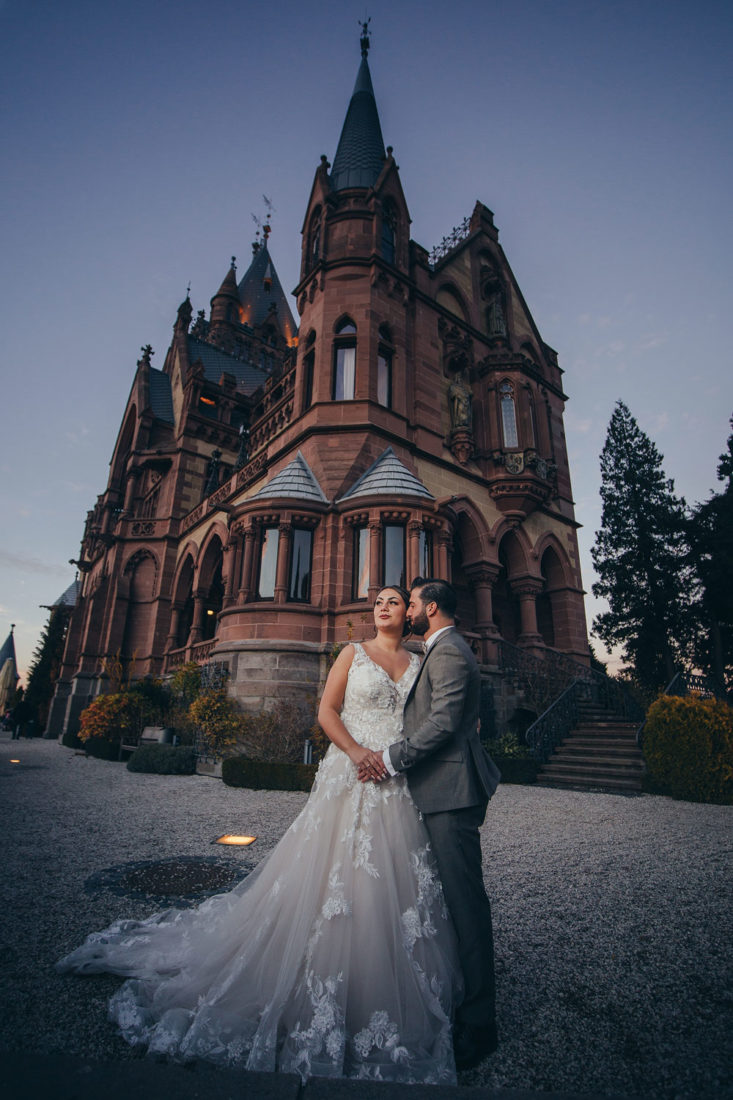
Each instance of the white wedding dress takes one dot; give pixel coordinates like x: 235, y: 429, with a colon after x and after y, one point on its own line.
x: 334, y: 957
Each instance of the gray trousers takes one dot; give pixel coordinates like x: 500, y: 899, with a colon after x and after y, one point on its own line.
x: 456, y: 845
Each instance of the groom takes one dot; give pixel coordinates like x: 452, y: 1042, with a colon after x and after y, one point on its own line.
x: 451, y: 779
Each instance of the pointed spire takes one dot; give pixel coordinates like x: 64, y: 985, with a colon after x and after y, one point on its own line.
x: 260, y: 289
x: 360, y: 155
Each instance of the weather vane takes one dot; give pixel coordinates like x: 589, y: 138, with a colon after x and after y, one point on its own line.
x: 364, y: 41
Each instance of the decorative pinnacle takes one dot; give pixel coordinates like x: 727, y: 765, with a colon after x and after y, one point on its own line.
x: 234, y: 262
x: 364, y: 40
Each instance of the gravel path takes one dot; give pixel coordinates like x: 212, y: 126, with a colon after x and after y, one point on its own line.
x: 611, y: 916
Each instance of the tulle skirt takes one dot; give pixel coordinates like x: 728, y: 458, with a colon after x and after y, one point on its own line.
x: 334, y: 957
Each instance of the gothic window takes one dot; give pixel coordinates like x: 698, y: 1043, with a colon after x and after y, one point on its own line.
x: 532, y: 420
x: 394, y: 554
x: 384, y: 368
x: 425, y: 553
x: 301, y: 554
x: 268, y: 563
x: 360, y: 578
x: 508, y: 415
x: 309, y: 363
x: 314, y: 240
x: 389, y: 231
x: 344, y: 361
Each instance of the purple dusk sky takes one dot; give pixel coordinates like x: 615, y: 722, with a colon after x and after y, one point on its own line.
x: 139, y: 137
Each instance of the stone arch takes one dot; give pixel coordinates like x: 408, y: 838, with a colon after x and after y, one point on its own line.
x: 450, y: 298
x: 554, y: 602
x: 210, y: 582
x: 183, y: 601
x: 139, y: 579
x: 512, y: 565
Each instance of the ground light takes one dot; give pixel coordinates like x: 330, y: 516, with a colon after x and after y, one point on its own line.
x: 15, y: 761
x: 235, y: 839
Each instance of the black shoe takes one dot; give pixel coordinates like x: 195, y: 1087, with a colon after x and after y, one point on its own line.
x: 471, y: 1044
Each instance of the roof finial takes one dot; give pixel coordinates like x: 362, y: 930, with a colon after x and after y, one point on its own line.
x: 234, y: 263
x: 364, y: 41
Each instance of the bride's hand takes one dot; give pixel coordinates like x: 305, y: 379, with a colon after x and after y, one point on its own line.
x: 369, y: 765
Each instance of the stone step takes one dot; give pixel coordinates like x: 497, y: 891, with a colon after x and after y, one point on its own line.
x: 596, y: 752
x: 588, y: 782
x: 595, y: 769
x: 592, y: 763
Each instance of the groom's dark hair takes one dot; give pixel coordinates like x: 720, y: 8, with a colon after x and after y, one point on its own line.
x: 437, y: 592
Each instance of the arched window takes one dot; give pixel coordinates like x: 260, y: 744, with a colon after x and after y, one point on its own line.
x: 309, y: 364
x: 508, y: 415
x: 313, y: 254
x: 384, y: 368
x: 389, y: 231
x: 344, y: 361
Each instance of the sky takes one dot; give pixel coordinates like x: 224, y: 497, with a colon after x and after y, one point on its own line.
x: 139, y: 139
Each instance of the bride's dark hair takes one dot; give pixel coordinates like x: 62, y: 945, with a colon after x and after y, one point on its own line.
x: 404, y: 596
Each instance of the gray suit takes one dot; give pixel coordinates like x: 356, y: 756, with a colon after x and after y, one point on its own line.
x: 451, y: 778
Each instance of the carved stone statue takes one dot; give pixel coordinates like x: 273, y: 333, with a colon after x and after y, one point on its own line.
x: 460, y: 399
x: 495, y: 320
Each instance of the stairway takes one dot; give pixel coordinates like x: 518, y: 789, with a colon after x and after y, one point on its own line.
x: 600, y: 752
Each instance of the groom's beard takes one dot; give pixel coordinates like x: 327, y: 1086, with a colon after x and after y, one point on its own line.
x: 419, y: 624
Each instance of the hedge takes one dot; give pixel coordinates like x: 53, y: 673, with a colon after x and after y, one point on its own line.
x: 516, y: 770
x: 688, y: 748
x: 163, y: 760
x: 267, y: 775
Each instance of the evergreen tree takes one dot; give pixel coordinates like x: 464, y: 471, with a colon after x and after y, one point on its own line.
x: 45, y: 666
x: 640, y: 555
x: 710, y: 536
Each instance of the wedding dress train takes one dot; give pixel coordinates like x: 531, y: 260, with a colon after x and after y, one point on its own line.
x: 334, y: 957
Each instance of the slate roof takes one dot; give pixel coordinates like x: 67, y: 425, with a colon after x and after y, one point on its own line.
x: 7, y: 653
x: 387, y: 477
x: 69, y: 596
x: 249, y: 377
x: 296, y: 480
x: 161, y: 398
x: 360, y: 155
x: 257, y: 299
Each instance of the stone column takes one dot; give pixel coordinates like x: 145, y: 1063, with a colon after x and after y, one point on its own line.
x: 283, y: 558
x: 527, y: 590
x: 444, y: 540
x: 375, y: 558
x: 130, y: 487
x: 175, y: 623
x: 245, y: 588
x: 482, y: 578
x: 232, y: 564
x: 199, y: 611
x: 412, y: 565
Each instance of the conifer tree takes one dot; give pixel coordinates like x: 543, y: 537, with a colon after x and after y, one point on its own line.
x: 640, y: 555
x: 710, y: 535
x: 44, y: 669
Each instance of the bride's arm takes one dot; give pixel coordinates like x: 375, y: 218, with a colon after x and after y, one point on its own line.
x: 332, y: 700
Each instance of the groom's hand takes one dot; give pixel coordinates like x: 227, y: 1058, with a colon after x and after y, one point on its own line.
x: 371, y: 768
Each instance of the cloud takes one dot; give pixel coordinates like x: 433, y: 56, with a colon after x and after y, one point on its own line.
x: 652, y: 340
x: 661, y: 421
x: 28, y: 564
x: 78, y: 436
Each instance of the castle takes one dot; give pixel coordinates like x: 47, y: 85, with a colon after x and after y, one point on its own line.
x: 272, y: 476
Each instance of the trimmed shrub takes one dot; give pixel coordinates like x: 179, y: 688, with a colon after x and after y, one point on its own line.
x: 102, y: 748
x: 516, y: 770
x: 267, y: 775
x: 688, y: 748
x: 218, y: 717
x: 71, y: 741
x: 163, y: 760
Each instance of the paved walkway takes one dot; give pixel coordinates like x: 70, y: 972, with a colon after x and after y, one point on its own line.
x: 611, y: 914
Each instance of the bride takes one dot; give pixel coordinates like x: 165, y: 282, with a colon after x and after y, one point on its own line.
x: 335, y: 957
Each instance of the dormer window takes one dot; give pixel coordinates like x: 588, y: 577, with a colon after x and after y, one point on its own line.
x: 207, y: 407
x: 344, y: 361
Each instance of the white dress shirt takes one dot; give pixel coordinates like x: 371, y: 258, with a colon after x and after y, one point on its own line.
x: 427, y: 643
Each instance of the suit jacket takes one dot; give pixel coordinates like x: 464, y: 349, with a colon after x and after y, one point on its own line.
x: 446, y: 765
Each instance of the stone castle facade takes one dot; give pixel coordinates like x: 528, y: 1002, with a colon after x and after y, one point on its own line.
x: 272, y: 476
